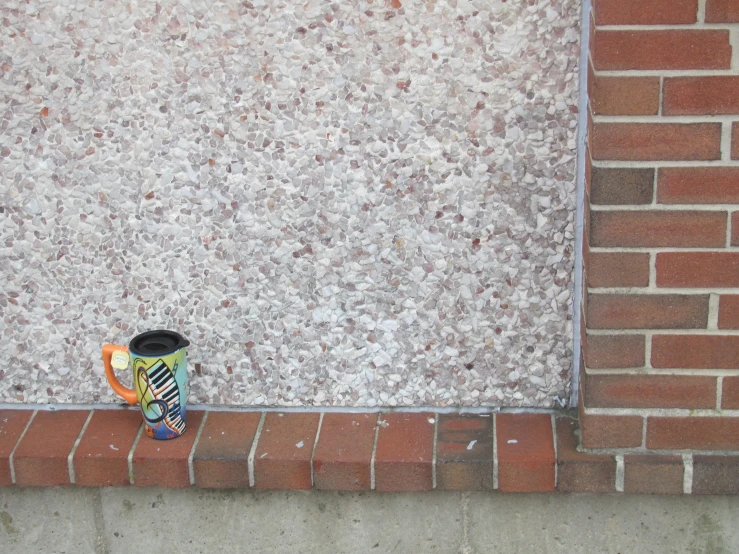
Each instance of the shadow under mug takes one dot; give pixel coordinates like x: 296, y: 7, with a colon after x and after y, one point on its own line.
x: 159, y: 363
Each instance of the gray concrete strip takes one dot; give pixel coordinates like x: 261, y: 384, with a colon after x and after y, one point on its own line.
x: 126, y: 519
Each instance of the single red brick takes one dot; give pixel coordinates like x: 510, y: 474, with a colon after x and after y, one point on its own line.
x: 221, y: 457
x: 735, y: 229
x: 343, y: 457
x: 625, y: 96
x: 715, y: 475
x: 615, y: 351
x: 404, y: 453
x: 647, y: 311
x: 602, y: 431
x: 697, y: 269
x: 697, y: 433
x: 101, y: 458
x: 464, y: 453
x: 12, y: 424
x: 695, y: 352
x: 40, y: 460
x: 284, y: 450
x: 650, y: 391
x: 525, y: 453
x: 679, y: 229
x: 578, y: 471
x: 698, y: 185
x: 163, y: 463
x: 656, y: 141
x: 653, y: 474
x: 673, y: 49
x: 722, y: 11
x: 617, y: 186
x: 728, y: 311
x: 645, y: 12
x: 617, y: 269
x: 701, y: 96
x: 730, y: 393
x: 735, y: 141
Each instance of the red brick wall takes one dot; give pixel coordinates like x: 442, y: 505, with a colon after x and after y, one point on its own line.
x: 661, y: 248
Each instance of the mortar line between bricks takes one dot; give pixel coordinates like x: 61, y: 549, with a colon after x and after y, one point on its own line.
x: 253, y: 450
x: 651, y: 164
x: 129, y: 458
x: 644, y: 432
x: 664, y: 412
x: 661, y: 207
x: 433, y: 455
x: 655, y: 250
x: 647, y: 291
x: 662, y: 452
x: 190, y: 468
x: 701, y: 15
x: 729, y: 215
x: 655, y: 180
x: 719, y: 391
x: 726, y: 141
x: 648, y: 351
x: 313, y: 452
x: 495, y: 452
x: 723, y: 72
x: 687, y: 474
x: 374, y: 452
x: 667, y: 27
x: 661, y: 96
x: 70, y: 456
x: 703, y: 332
x: 11, y: 460
x: 734, y: 41
x: 661, y: 119
x: 665, y: 372
x: 556, y: 453
x: 713, y: 299
x: 619, y: 484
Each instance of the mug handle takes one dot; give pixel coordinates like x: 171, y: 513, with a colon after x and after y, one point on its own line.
x: 129, y: 395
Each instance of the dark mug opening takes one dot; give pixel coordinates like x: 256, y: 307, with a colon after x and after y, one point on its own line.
x: 157, y: 343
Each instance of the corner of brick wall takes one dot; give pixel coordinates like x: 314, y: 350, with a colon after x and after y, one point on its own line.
x: 661, y: 248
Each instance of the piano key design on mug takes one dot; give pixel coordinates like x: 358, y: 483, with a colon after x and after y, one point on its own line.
x: 162, y: 389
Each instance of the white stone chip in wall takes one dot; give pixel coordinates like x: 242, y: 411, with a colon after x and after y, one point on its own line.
x: 339, y: 204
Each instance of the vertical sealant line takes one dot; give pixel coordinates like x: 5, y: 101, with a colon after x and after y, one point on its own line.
x: 11, y: 461
x: 313, y: 452
x: 190, y: 467
x: 582, y: 131
x: 253, y: 451
x: 374, y: 452
x: 130, y: 453
x: 70, y: 457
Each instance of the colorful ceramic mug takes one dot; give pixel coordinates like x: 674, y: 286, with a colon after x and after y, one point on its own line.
x: 159, y: 363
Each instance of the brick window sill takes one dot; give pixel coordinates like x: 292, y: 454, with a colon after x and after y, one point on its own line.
x: 391, y: 452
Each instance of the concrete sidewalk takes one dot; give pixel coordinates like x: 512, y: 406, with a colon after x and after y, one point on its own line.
x: 156, y: 520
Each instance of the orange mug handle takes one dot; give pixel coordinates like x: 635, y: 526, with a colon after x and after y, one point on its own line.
x: 129, y: 395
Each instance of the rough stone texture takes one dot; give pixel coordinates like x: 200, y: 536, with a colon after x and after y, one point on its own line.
x: 337, y: 203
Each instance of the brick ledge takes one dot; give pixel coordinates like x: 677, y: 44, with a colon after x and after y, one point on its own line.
x: 387, y: 451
